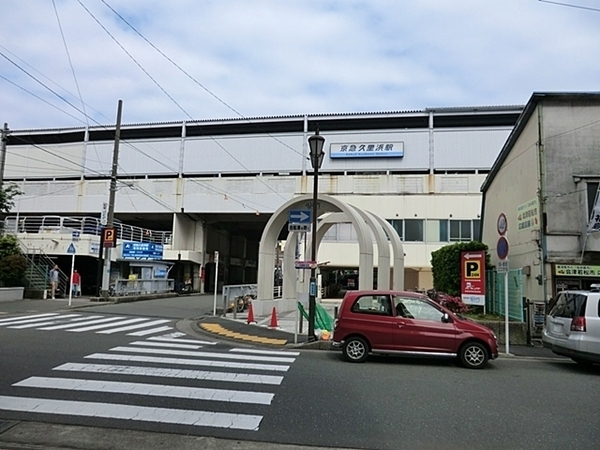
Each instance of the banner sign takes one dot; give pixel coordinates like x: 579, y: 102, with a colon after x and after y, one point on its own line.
x: 528, y: 215
x: 472, y: 277
x: 367, y: 150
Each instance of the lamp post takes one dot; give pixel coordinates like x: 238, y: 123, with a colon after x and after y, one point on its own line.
x: 316, y: 144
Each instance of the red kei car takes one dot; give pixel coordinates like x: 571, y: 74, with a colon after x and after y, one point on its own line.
x: 409, y: 324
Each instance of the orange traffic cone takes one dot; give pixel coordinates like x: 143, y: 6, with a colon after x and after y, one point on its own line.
x: 273, y: 323
x: 251, y: 314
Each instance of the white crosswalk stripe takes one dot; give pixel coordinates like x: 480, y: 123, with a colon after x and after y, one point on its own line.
x: 99, y: 324
x: 240, y: 409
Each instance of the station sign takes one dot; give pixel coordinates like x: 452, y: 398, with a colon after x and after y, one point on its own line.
x: 473, y: 277
x: 142, y: 250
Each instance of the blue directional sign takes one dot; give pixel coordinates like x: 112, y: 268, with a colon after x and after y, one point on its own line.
x: 301, y: 216
x: 300, y: 220
x: 142, y: 250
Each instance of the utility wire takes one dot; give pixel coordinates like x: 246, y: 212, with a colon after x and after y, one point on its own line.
x: 168, y: 95
x: 208, y: 91
x: 568, y: 5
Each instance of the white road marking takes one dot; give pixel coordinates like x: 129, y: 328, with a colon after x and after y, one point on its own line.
x: 163, y: 372
x: 134, y: 327
x: 151, y: 331
x: 91, y: 322
x: 152, y: 390
x: 264, y: 352
x: 129, y: 412
x: 160, y: 351
x: 185, y: 341
x: 11, y: 319
x: 188, y: 362
x: 22, y: 321
x: 166, y: 344
x: 54, y: 321
x: 98, y: 327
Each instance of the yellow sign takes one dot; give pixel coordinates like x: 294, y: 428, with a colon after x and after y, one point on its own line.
x: 472, y: 269
x: 576, y: 270
x: 528, y: 215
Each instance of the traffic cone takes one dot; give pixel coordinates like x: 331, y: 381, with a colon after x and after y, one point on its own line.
x: 250, y: 314
x: 273, y: 323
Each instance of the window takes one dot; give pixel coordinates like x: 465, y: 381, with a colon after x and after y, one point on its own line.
x: 413, y: 230
x: 592, y: 189
x: 414, y: 308
x: 373, y: 304
x: 460, y: 230
x: 397, y: 224
x: 569, y: 305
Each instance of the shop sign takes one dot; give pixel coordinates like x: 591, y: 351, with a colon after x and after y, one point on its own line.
x: 576, y: 269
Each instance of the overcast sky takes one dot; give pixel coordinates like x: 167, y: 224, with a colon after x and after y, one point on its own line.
x: 248, y: 58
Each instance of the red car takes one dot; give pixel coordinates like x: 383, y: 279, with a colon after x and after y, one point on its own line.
x: 409, y: 324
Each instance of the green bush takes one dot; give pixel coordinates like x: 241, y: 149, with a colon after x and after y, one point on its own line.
x: 445, y: 265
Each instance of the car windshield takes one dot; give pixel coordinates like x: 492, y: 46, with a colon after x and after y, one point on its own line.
x: 569, y: 305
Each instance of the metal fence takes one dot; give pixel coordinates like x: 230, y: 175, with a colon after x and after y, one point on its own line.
x: 495, y: 293
x: 85, y: 225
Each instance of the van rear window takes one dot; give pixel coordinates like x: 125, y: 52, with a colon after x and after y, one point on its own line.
x: 569, y: 305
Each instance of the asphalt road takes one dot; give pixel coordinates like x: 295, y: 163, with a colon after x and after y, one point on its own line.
x: 386, y: 403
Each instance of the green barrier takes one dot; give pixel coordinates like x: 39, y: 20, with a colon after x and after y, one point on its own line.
x: 323, y: 321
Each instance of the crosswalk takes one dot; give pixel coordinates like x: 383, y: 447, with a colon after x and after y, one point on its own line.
x: 80, y: 323
x: 216, y: 388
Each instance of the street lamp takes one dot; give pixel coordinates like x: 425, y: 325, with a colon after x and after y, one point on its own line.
x: 316, y: 144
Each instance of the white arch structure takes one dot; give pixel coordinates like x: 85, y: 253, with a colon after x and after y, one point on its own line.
x: 366, y: 225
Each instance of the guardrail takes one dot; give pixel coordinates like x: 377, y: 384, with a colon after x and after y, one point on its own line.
x: 85, y: 225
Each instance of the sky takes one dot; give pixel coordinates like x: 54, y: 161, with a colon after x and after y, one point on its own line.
x: 66, y: 63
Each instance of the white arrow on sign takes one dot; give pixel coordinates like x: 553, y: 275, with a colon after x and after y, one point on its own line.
x: 299, y: 216
x: 471, y: 255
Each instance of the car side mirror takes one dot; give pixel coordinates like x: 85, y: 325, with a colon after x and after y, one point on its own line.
x: 445, y: 318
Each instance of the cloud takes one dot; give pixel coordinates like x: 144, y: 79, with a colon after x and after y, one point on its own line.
x: 269, y: 57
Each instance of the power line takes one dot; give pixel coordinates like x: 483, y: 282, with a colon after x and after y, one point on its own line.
x: 568, y: 5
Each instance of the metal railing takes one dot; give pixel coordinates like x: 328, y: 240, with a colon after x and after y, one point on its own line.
x: 85, y: 225
x: 38, y: 271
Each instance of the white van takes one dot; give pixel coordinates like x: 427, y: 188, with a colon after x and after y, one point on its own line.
x: 573, y: 326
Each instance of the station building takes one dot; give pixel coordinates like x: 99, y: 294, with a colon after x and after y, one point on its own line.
x: 207, y: 186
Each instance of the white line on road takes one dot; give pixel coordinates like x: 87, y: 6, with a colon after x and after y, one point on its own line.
x: 151, y: 331
x: 159, y: 351
x: 264, y: 352
x: 114, y: 324
x: 20, y: 321
x: 91, y: 322
x: 12, y: 319
x: 152, y: 390
x: 189, y: 362
x: 134, y: 327
x: 54, y: 321
x: 130, y: 412
x: 166, y: 344
x: 172, y: 373
x: 185, y: 341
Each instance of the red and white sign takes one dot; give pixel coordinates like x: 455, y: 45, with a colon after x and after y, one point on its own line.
x: 472, y: 277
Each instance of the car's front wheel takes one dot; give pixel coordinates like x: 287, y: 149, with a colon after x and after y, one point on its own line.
x: 355, y: 349
x: 473, y: 355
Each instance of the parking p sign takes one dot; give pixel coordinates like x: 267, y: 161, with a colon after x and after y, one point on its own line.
x: 473, y: 277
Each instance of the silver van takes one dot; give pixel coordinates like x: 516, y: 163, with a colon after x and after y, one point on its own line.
x: 573, y: 326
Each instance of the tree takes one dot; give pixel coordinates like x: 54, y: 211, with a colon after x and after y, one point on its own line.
x: 12, y: 262
x: 7, y: 197
x: 445, y: 265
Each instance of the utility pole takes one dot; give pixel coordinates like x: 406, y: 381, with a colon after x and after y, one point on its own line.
x: 111, y: 202
x: 4, y: 134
